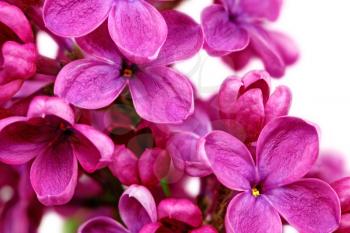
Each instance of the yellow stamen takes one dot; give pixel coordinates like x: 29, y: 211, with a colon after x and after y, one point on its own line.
x: 127, y: 73
x: 255, y: 192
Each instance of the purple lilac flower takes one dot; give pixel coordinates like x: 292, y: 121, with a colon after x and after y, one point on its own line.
x: 18, y: 52
x: 136, y: 27
x: 50, y: 137
x: 272, y: 185
x: 342, y: 187
x: 160, y: 94
x: 138, y: 211
x: 236, y: 29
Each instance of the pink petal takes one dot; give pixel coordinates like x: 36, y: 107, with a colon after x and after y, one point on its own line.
x: 102, y: 225
x: 268, y: 9
x: 286, y: 150
x: 278, y: 103
x: 229, y: 91
x: 138, y: 29
x: 309, y: 205
x: 23, y: 140
x: 124, y: 166
x: 75, y: 18
x: 8, y: 90
x: 342, y: 188
x: 230, y: 160
x: 161, y: 95
x: 100, y: 44
x: 9, y: 120
x: 89, y: 84
x: 14, y: 18
x: 344, y: 224
x: 137, y: 208
x: 153, y: 166
x: 151, y: 228
x: 247, y: 214
x: 286, y: 46
x: 186, y: 155
x: 221, y: 35
x: 54, y: 174
x: 204, y: 229
x: 185, y: 38
x: 258, y: 79
x: 41, y: 106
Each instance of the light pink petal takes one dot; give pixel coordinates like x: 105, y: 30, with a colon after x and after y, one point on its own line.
x: 309, y: 205
x: 102, y: 225
x: 342, y: 187
x: 100, y: 44
x: 41, y: 106
x: 124, y: 166
x: 268, y: 9
x: 267, y: 51
x: 230, y: 160
x: 54, y: 174
x: 286, y: 150
x: 247, y: 214
x: 278, y: 103
x: 137, y: 208
x: 23, y: 140
x: 185, y: 38
x: 162, y: 95
x: 153, y: 166
x: 286, y: 46
x: 75, y: 18
x: 14, y: 18
x: 184, y: 149
x: 222, y: 36
x: 181, y: 210
x: 89, y: 84
x: 258, y: 79
x: 138, y: 30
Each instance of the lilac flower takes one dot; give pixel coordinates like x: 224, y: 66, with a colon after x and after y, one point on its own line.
x: 159, y: 93
x: 19, y: 54
x: 50, y: 136
x: 342, y: 187
x: 286, y: 150
x: 136, y: 27
x: 138, y: 211
x: 236, y: 28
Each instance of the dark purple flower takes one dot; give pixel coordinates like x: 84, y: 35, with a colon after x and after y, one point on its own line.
x: 50, y: 136
x: 236, y: 28
x: 18, y: 53
x: 136, y: 27
x: 272, y: 185
x: 160, y: 94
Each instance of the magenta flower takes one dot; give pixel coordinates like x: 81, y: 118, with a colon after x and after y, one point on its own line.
x: 273, y: 185
x: 136, y: 27
x: 50, y: 136
x: 138, y: 211
x: 159, y: 93
x: 236, y: 28
x: 342, y: 187
x: 246, y: 105
x: 19, y: 54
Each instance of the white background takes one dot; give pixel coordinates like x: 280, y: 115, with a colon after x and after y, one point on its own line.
x: 319, y: 81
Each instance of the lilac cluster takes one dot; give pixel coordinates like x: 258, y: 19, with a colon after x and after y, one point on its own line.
x: 112, y: 137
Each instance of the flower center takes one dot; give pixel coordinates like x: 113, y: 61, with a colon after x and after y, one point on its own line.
x: 128, y: 70
x: 255, y: 192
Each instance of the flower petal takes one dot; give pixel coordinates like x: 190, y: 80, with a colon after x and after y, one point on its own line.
x: 137, y: 208
x: 286, y: 46
x: 344, y: 224
x: 342, y: 188
x: 151, y: 228
x: 89, y: 84
x: 102, y: 225
x: 286, y: 150
x: 75, y: 18
x: 278, y: 103
x: 309, y: 205
x: 8, y: 90
x: 181, y: 210
x: 221, y: 35
x: 184, y: 150
x: 268, y: 9
x: 54, y: 174
x: 161, y: 95
x: 185, y: 38
x: 229, y: 91
x: 246, y: 214
x: 204, y: 229
x: 23, y: 140
x: 230, y: 160
x: 41, y: 106
x: 138, y: 29
x: 258, y: 79
x: 100, y: 44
